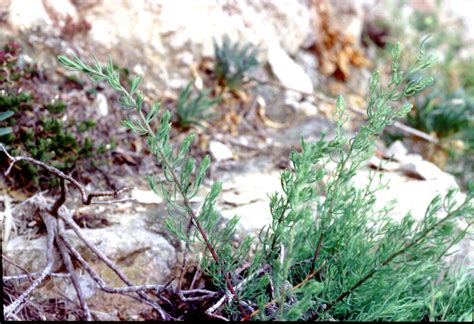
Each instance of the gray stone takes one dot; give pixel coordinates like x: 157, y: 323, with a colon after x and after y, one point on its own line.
x: 144, y: 256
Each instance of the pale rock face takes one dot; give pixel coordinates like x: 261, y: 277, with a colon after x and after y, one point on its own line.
x: 247, y: 196
x: 151, y: 255
x: 288, y: 72
x: 61, y: 9
x: 171, y: 25
x: 397, y: 150
x: 146, y: 196
x: 27, y: 14
x: 349, y: 15
x: 414, y: 164
x: 169, y: 36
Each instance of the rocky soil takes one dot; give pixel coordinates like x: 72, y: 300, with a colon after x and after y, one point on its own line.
x: 166, y: 41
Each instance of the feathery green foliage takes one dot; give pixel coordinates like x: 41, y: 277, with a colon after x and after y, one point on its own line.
x: 191, y: 111
x: 233, y: 62
x: 328, y: 252
x: 180, y: 179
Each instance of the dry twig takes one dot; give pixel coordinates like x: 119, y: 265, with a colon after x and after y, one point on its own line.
x: 54, y: 218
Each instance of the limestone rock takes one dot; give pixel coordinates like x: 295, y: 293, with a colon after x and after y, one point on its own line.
x: 34, y: 16
x: 146, y: 196
x: 397, y: 150
x: 220, y: 151
x: 414, y: 164
x: 61, y: 9
x: 288, y: 72
x: 145, y: 256
x: 247, y: 196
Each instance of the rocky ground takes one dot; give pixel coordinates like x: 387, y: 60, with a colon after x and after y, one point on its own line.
x: 248, y: 150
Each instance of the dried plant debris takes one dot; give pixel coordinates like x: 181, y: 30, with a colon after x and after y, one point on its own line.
x: 337, y: 52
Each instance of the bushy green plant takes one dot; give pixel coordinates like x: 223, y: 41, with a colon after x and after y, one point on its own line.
x: 444, y: 114
x: 192, y: 110
x: 233, y: 62
x: 328, y: 254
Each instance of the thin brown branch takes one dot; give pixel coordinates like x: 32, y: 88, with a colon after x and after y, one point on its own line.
x: 316, y: 252
x: 61, y: 200
x: 126, y: 291
x: 86, y: 198
x: 101, y: 283
x: 68, y: 220
x: 191, y: 213
x: 185, y: 256
x: 206, y: 294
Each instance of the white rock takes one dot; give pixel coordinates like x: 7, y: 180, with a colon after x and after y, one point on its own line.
x: 252, y: 217
x: 138, y: 69
x: 247, y: 196
x: 177, y: 84
x: 413, y: 163
x: 348, y: 16
x: 220, y: 151
x: 61, y: 9
x: 397, y: 150
x: 25, y: 14
x: 412, y: 194
x: 307, y: 108
x: 288, y: 72
x: 146, y: 196
x: 100, y: 105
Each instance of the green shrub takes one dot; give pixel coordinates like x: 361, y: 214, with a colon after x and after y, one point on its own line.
x: 191, y: 111
x: 328, y: 254
x: 444, y: 114
x: 233, y: 62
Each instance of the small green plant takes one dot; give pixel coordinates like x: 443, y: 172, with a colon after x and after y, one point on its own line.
x: 233, y: 62
x: 191, y: 111
x: 328, y: 254
x: 444, y: 114
x: 47, y: 138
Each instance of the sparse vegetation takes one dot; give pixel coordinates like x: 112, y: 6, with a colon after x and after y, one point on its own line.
x: 193, y: 110
x: 48, y: 138
x: 233, y: 62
